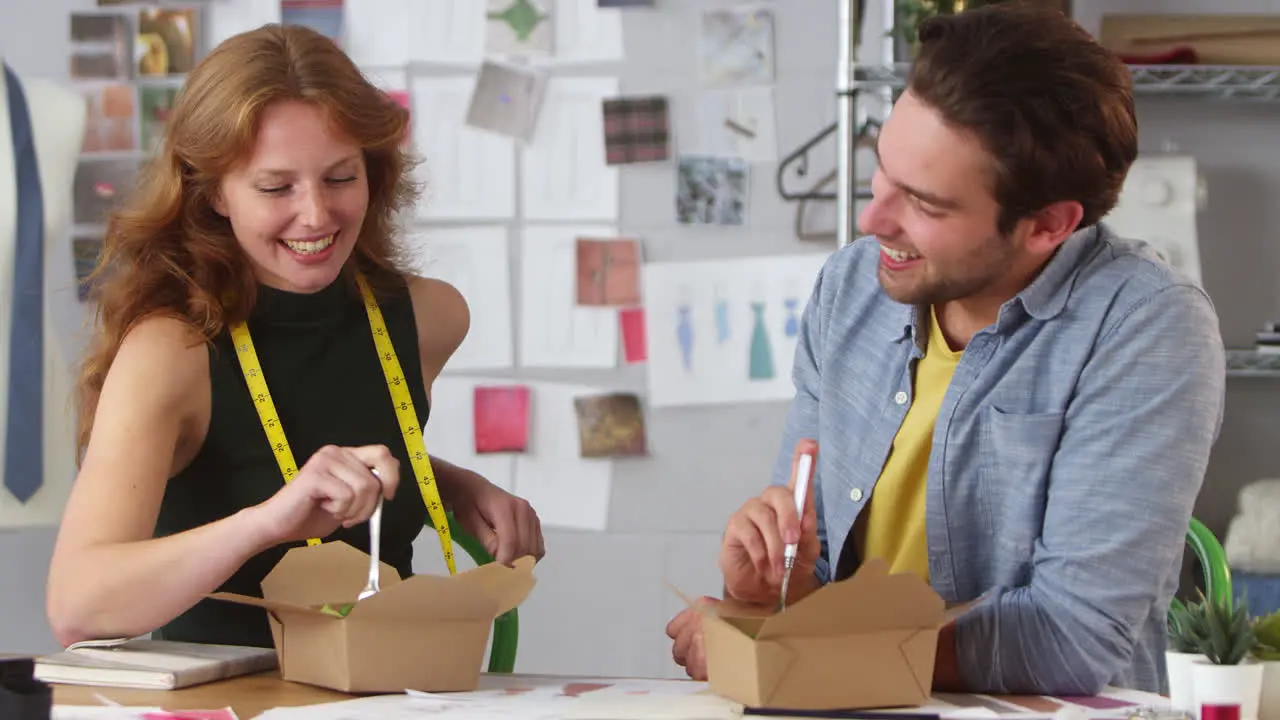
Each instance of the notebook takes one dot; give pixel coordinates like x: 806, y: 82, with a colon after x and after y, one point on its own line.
x: 151, y: 664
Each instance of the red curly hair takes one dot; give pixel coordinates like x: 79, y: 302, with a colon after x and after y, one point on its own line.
x: 167, y: 252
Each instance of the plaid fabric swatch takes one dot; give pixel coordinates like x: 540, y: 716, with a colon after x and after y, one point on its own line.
x: 636, y: 130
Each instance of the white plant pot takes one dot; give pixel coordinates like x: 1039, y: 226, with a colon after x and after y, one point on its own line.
x: 1182, y: 695
x: 1228, y: 684
x: 1269, y: 704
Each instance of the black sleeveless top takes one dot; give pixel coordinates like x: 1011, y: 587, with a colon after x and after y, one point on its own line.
x: 322, y: 369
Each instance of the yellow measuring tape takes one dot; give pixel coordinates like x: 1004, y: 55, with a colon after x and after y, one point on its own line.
x: 410, y: 429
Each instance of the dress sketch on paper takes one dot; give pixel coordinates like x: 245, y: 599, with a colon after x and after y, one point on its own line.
x: 791, y: 304
x: 737, y: 46
x: 761, y: 360
x: 519, y: 27
x: 722, y: 316
x: 711, y: 191
x: 684, y: 330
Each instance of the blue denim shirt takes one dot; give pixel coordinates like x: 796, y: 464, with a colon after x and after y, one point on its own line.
x: 1067, y: 454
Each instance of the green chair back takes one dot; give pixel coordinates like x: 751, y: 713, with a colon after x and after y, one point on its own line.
x: 506, y: 627
x: 1214, y: 567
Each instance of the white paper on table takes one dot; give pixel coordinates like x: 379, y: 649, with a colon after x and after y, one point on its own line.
x: 724, y: 330
x: 467, y: 173
x: 584, y: 33
x: 566, y: 490
x: 450, y: 432
x: 475, y: 261
x: 445, y: 32
x: 751, y: 112
x: 232, y: 17
x: 376, y: 32
x: 99, y: 712
x: 566, y: 176
x: 554, y: 330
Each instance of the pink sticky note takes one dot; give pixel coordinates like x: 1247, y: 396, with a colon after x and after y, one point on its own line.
x: 634, y: 347
x: 501, y: 418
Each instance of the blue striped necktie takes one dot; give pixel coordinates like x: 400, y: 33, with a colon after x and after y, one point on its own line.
x: 24, y: 445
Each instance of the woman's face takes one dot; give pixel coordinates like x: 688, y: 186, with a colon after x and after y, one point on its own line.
x: 297, y: 204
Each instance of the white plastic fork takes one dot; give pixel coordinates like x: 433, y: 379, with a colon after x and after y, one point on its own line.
x: 371, y: 586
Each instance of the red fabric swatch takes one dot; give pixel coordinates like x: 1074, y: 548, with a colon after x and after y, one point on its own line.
x: 634, y: 346
x: 501, y: 419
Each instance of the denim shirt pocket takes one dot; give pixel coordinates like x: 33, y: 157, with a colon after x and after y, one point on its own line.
x: 1016, y: 453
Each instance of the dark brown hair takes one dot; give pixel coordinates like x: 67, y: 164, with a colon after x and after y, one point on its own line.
x: 167, y: 252
x: 1052, y: 107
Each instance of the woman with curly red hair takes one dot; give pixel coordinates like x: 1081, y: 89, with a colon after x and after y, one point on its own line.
x: 262, y: 363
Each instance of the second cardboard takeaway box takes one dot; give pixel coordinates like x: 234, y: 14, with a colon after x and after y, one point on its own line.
x: 426, y: 633
x: 866, y: 642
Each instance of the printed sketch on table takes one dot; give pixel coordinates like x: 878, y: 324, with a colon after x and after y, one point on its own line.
x: 555, y: 331
x: 565, y: 176
x: 736, y: 46
x: 520, y: 27
x: 711, y: 191
x: 507, y: 100
x: 636, y: 129
x: 738, y: 123
x: 156, y: 103
x: 724, y: 331
x: 99, y: 47
x: 467, y: 173
x: 86, y: 248
x: 323, y: 16
x: 100, y: 185
x: 610, y: 425
x: 110, y: 111
x: 166, y: 41
x: 501, y: 418
x: 474, y: 260
x: 608, y: 271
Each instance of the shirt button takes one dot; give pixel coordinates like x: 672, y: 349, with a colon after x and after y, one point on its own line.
x: 855, y: 494
x: 900, y: 398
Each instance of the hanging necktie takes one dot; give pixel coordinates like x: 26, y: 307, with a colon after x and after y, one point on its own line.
x: 24, y: 445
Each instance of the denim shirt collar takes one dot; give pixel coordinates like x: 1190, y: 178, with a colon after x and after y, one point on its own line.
x: 1043, y: 299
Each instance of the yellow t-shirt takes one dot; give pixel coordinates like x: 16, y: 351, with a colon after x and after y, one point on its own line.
x: 894, y: 526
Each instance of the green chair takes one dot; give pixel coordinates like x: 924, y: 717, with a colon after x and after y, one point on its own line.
x: 506, y: 627
x: 1214, y: 567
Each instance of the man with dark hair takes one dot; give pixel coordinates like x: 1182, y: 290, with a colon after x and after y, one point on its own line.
x: 1009, y: 400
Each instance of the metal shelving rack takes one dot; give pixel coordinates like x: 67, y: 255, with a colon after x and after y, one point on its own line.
x: 1208, y: 82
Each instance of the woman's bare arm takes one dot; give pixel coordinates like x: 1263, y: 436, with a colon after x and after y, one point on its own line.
x: 109, y: 577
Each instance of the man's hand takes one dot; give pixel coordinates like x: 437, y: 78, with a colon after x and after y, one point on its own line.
x: 688, y: 648
x: 506, y: 525
x: 751, y: 553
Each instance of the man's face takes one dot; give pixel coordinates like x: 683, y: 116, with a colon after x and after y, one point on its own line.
x: 933, y: 211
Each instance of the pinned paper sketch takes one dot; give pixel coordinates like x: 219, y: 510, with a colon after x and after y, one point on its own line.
x: 99, y: 46
x: 583, y: 34
x: 501, y: 418
x: 226, y: 18
x: 723, y: 331
x: 610, y: 425
x: 100, y: 185
x: 636, y: 130
x: 323, y: 16
x: 109, y: 119
x: 608, y: 271
x: 711, y: 191
x: 566, y: 489
x: 474, y: 261
x: 565, y: 176
x: 736, y: 46
x: 507, y: 100
x: 555, y: 331
x: 520, y: 27
x: 468, y: 173
x: 738, y: 123
x: 166, y: 42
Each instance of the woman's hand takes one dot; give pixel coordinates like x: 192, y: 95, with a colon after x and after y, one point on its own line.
x: 506, y: 525
x: 337, y: 487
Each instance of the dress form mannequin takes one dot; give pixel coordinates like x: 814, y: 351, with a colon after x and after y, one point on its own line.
x: 57, y: 119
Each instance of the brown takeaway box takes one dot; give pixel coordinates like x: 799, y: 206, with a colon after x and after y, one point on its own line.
x: 425, y: 633
x: 865, y: 642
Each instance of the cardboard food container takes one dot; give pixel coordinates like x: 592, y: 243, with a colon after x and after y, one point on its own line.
x: 866, y: 642
x: 426, y: 633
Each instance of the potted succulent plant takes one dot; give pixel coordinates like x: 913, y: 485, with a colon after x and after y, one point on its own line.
x: 1266, y: 650
x: 1187, y: 633
x: 1229, y: 674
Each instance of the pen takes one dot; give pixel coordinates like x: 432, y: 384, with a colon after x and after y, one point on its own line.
x: 842, y: 714
x: 804, y: 469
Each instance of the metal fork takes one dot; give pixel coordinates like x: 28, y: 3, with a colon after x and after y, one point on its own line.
x: 371, y: 586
